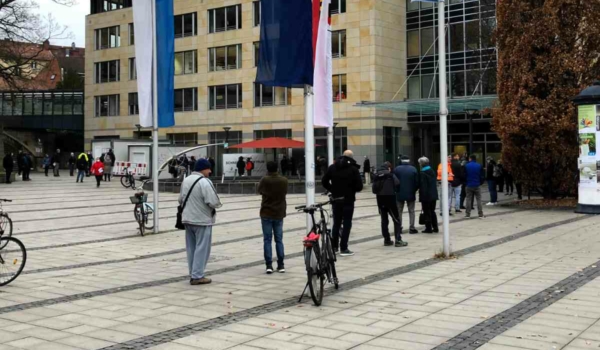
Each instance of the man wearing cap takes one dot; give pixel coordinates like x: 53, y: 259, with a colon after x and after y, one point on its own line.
x: 407, y: 191
x: 199, y: 215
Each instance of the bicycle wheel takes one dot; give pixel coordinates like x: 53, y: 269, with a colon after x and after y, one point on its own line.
x: 315, y: 278
x: 148, y: 217
x: 137, y: 213
x: 5, y: 227
x: 125, y: 181
x: 331, y: 262
x: 12, y: 259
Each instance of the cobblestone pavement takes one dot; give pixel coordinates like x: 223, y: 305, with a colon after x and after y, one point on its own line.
x: 523, y: 280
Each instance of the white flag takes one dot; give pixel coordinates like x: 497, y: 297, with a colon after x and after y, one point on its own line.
x: 323, y: 83
x: 143, y: 22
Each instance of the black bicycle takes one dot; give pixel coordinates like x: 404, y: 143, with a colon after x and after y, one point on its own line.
x: 128, y: 180
x: 319, y: 256
x: 13, y: 255
x: 142, y: 210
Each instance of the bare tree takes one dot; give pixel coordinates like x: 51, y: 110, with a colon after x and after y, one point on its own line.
x: 22, y: 36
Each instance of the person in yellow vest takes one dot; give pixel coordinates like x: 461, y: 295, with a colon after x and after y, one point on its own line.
x: 450, y: 180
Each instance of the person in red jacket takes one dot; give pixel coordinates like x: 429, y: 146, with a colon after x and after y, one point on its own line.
x: 98, y: 170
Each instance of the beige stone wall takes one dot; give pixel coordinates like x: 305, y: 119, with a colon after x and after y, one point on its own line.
x: 375, y: 66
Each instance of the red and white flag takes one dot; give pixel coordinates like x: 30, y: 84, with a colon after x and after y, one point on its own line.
x: 323, y: 82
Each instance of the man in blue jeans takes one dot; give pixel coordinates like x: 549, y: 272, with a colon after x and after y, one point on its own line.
x: 273, y: 188
x: 491, y: 180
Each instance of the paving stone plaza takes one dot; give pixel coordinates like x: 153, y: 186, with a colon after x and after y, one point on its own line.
x: 523, y: 279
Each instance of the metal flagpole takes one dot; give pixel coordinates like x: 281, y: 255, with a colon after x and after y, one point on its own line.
x: 330, y: 137
x: 155, y: 164
x: 309, y: 150
x: 443, y: 125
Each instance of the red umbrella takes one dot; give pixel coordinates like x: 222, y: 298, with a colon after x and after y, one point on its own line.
x: 271, y: 142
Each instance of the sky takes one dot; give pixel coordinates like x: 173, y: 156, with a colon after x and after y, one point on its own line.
x: 73, y: 17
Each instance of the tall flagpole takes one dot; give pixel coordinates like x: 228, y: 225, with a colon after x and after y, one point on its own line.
x: 155, y: 164
x: 309, y: 150
x: 330, y: 146
x: 443, y: 125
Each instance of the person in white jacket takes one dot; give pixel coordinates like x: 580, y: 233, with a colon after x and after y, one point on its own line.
x: 198, y: 217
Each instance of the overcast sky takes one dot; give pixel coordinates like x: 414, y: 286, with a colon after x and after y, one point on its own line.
x: 73, y: 17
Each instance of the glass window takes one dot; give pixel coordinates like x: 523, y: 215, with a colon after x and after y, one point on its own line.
x: 186, y: 100
x: 457, y: 42
x: 337, y: 6
x: 489, y: 81
x: 78, y: 104
x: 427, y: 41
x: 132, y: 69
x: 185, y: 25
x: 225, y: 96
x: 414, y: 88
x: 225, y: 58
x: 134, y: 108
x: 428, y: 86
x: 256, y: 12
x: 37, y: 103
x: 473, y: 85
x: 57, y: 103
x: 488, y: 26
x: 457, y: 84
x: 183, y: 139
x: 107, y: 72
x: 339, y: 87
x: 472, y: 35
x: 107, y: 106
x: 131, y: 34
x: 271, y: 96
x: 107, y: 38
x: 256, y: 52
x: 185, y: 62
x: 338, y: 44
x: 413, y: 43
x: 225, y: 18
x: 18, y: 104
x: 412, y: 6
x: 28, y: 104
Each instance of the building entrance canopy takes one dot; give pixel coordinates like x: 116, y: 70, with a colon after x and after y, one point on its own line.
x: 432, y: 105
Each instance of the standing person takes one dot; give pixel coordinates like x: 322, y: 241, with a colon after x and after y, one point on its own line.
x: 463, y: 190
x: 474, y: 181
x: 72, y: 162
x: 323, y: 165
x: 408, y: 176
x: 491, y: 181
x: 46, y: 163
x: 109, y: 161
x: 450, y: 181
x: 199, y: 216
x: 284, y: 166
x: 500, y: 176
x: 20, y: 156
x: 384, y: 187
x: 27, y: 164
x: 90, y: 162
x: 519, y: 187
x: 56, y: 163
x: 457, y: 183
x: 509, y: 182
x: 428, y: 195
x: 249, y: 166
x: 8, y: 164
x: 273, y: 188
x: 342, y: 179
x: 97, y: 170
x: 241, y: 166
x: 82, y: 166
x: 367, y: 170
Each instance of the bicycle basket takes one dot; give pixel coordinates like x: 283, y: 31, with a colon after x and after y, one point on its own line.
x: 139, y: 199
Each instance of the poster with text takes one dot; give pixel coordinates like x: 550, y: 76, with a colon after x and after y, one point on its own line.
x: 587, y: 145
x: 588, y: 172
x: 587, y: 118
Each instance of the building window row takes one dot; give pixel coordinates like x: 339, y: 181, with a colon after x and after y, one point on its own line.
x: 225, y: 58
x: 265, y: 96
x: 225, y: 96
x: 186, y: 25
x: 41, y: 103
x: 224, y: 19
x: 107, y: 38
x: 183, y: 139
x: 107, y: 71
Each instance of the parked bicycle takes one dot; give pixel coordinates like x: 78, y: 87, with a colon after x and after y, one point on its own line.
x: 13, y: 255
x: 128, y: 180
x: 319, y: 256
x: 142, y: 210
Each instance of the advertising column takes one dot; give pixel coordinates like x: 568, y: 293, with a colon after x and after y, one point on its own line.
x: 588, y: 121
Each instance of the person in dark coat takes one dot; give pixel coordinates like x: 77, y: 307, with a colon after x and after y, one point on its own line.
x: 241, y: 166
x: 428, y: 195
x: 342, y: 179
x: 408, y: 176
x: 20, y: 162
x: 284, y: 166
x: 90, y: 158
x: 457, y: 182
x: 8, y: 164
x: 384, y: 187
x: 491, y: 180
x: 55, y: 163
x: 82, y: 166
x: 500, y: 177
x: 72, y: 161
x: 510, y: 184
x: 367, y: 170
x: 27, y: 164
x: 211, y: 160
x: 475, y: 179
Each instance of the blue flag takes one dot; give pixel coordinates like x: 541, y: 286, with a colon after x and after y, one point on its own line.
x: 285, y: 51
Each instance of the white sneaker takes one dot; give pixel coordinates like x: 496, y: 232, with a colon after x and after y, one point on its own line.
x: 490, y: 203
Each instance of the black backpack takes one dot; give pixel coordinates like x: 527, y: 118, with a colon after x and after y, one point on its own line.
x: 379, y: 181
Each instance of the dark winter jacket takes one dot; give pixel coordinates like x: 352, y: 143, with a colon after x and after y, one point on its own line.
x: 72, y: 160
x: 428, y: 185
x: 20, y: 161
x: 7, y: 162
x: 342, y: 179
x: 389, y: 182
x: 490, y: 170
x: 474, y: 174
x: 409, y: 182
x: 241, y: 165
x: 55, y: 160
x: 367, y: 165
x: 82, y: 162
x: 459, y: 173
x: 273, y: 189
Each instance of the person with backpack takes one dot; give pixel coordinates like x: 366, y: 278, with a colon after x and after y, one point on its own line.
x: 82, y: 166
x: 406, y: 194
x: 198, y: 217
x: 428, y: 195
x: 384, y: 187
x: 249, y: 166
x: 491, y: 172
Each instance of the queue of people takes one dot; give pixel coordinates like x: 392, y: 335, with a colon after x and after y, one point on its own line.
x: 24, y: 162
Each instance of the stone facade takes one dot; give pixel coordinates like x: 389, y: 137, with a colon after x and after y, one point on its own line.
x: 375, y: 66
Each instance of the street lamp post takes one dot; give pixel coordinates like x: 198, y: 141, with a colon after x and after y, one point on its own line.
x: 470, y: 113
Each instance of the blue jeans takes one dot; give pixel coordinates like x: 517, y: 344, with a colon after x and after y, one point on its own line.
x: 80, y: 175
x: 272, y: 227
x: 198, y: 241
x: 455, y: 193
x: 493, y: 191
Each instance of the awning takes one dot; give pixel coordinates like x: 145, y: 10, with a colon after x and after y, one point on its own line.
x: 432, y: 105
x: 272, y: 142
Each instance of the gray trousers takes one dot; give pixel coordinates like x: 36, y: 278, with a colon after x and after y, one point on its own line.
x: 476, y: 193
x: 198, y: 240
x: 411, y: 212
